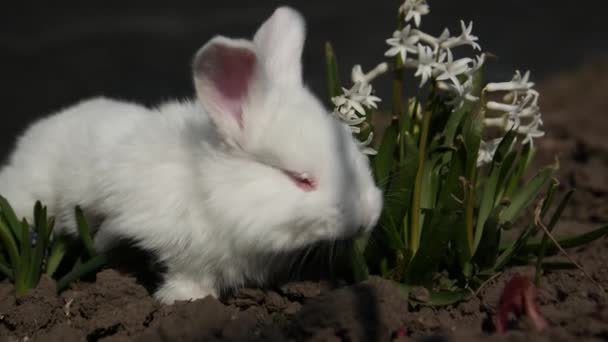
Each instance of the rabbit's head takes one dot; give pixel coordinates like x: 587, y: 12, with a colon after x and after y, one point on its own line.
x: 287, y: 173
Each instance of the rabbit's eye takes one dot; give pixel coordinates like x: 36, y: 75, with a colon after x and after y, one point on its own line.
x: 302, y: 180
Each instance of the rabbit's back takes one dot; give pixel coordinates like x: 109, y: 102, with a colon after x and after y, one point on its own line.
x: 54, y: 159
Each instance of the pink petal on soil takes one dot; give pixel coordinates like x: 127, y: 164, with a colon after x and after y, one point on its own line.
x: 518, y: 298
x: 400, y: 334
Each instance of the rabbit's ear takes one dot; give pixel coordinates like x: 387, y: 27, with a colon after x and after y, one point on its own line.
x: 224, y: 72
x: 280, y: 41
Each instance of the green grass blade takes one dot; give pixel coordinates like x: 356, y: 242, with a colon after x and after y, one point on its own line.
x: 506, y: 170
x: 512, y: 248
x: 525, y: 158
x: 11, y: 218
x: 491, y: 187
x: 85, y: 232
x: 415, y: 212
x: 22, y: 275
x: 471, y: 132
x: 566, y: 242
x: 488, y: 249
x: 524, y: 197
x: 331, y: 69
x: 56, y: 254
x: 438, y: 233
x: 545, y: 240
x: 384, y: 160
x: 358, y: 263
x: 40, y: 226
x: 88, y: 267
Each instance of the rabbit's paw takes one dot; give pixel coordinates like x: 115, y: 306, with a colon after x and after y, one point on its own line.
x: 178, y: 287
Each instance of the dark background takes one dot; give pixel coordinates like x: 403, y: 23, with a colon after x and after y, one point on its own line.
x: 55, y: 53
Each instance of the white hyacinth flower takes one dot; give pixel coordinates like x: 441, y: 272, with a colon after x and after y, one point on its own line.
x: 350, y: 107
x: 518, y: 83
x: 465, y: 38
x: 451, y: 69
x: 414, y: 9
x: 522, y: 103
x: 460, y: 92
x: 402, y: 42
x: 532, y: 130
x: 425, y: 63
x: 357, y: 74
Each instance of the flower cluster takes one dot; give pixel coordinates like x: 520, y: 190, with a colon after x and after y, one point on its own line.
x: 351, y: 106
x: 519, y: 111
x: 432, y: 57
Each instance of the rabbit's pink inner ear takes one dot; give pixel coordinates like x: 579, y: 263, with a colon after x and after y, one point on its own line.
x: 229, y: 71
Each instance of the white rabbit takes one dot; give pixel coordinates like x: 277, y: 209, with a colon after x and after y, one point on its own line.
x: 215, y: 187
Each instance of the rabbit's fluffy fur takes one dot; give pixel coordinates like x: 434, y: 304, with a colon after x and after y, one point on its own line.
x: 253, y: 167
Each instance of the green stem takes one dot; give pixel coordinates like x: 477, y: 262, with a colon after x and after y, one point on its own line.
x: 470, y: 209
x: 417, y: 195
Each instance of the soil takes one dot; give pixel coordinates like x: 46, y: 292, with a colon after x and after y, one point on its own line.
x: 114, y: 307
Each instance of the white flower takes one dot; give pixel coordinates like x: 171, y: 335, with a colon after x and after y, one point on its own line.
x: 460, y: 92
x: 402, y: 42
x: 351, y: 105
x: 487, y: 151
x: 465, y: 38
x: 532, y: 130
x: 479, y: 61
x: 414, y: 9
x: 426, y: 60
x: 357, y: 74
x: 522, y: 105
x: 518, y: 82
x: 452, y: 69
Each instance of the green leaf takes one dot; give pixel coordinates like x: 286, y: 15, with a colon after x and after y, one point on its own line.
x: 525, y: 158
x: 56, y: 254
x: 398, y: 195
x: 513, y: 248
x: 526, y: 195
x: 405, y: 126
x: 505, y: 168
x: 488, y: 248
x: 566, y: 242
x: 81, y: 270
x: 490, y: 188
x: 10, y: 244
x: 434, y: 242
x: 556, y: 216
x: 22, y: 284
x: 452, y: 197
x: 331, y: 69
x: 452, y: 125
x: 383, y: 161
x: 40, y: 226
x: 358, y: 264
x: 10, y: 217
x: 84, y: 231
